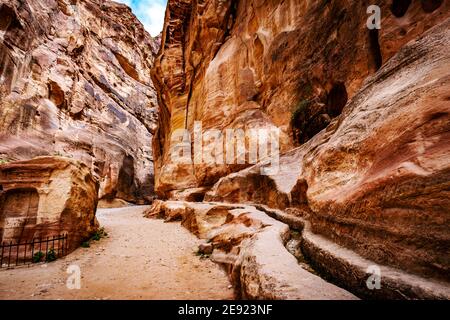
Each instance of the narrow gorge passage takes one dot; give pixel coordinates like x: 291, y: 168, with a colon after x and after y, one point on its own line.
x: 241, y: 150
x: 140, y: 259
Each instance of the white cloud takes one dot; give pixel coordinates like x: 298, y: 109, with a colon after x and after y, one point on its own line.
x: 127, y: 2
x: 149, y: 12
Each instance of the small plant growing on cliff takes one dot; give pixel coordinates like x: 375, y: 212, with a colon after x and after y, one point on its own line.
x: 51, y: 255
x: 202, y: 255
x: 308, y: 89
x: 3, y: 161
x: 300, y: 110
x: 60, y: 154
x: 96, y: 236
x: 100, y: 233
x: 299, y: 119
x: 37, y: 257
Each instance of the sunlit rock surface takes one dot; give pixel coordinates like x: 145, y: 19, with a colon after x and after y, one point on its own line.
x: 75, y: 81
x: 377, y: 179
x: 46, y: 197
x: 256, y: 64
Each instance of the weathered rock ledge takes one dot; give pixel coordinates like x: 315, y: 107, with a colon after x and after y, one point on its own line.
x: 350, y: 270
x: 376, y: 180
x: 251, y: 245
x: 250, y: 240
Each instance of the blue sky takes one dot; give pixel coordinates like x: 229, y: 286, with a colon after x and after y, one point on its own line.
x: 149, y: 12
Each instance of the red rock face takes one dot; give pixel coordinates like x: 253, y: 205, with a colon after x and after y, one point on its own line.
x: 75, y: 81
x: 250, y: 246
x: 377, y: 179
x: 45, y: 197
x: 292, y: 64
x: 368, y: 107
x: 383, y: 189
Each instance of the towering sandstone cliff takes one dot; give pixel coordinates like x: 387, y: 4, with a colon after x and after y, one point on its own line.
x: 364, y: 118
x: 292, y: 64
x: 75, y: 81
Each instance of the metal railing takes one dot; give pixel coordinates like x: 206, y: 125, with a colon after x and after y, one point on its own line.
x: 38, y: 250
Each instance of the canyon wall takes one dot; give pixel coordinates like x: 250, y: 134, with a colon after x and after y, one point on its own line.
x: 377, y: 179
x: 258, y: 64
x: 75, y: 82
x: 363, y: 115
x: 46, y: 197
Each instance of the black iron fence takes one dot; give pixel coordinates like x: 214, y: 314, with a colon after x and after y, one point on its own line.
x: 38, y: 250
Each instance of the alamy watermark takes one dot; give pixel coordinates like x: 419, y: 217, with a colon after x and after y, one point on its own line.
x: 74, y: 279
x: 374, y: 280
x: 231, y: 146
x: 236, y: 146
x: 374, y: 20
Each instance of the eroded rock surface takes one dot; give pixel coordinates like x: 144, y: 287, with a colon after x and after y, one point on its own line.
x: 258, y: 248
x: 377, y: 179
x: 251, y: 246
x: 75, y: 81
x: 45, y: 197
x: 256, y: 64
x: 369, y: 109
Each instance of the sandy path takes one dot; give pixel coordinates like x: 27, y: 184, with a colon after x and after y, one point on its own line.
x: 140, y: 259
